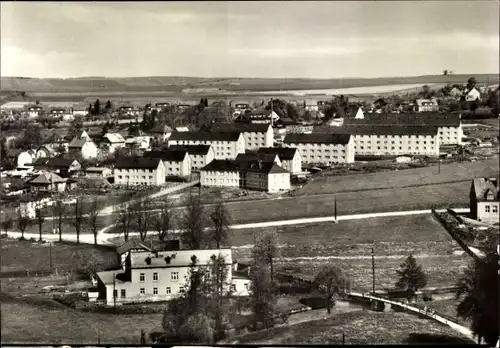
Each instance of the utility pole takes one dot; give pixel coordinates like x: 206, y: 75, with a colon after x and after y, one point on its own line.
x: 373, y: 270
x: 439, y: 167
x: 335, y: 207
x: 343, y: 339
x: 50, y: 256
x: 114, y: 293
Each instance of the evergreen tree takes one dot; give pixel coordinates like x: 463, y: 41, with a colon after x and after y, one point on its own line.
x: 108, y: 105
x: 97, y: 107
x: 411, y: 276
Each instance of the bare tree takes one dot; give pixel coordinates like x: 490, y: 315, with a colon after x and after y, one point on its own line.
x: 124, y: 221
x: 7, y: 224
x: 266, y: 249
x: 141, y: 217
x: 262, y: 295
x: 332, y: 281
x: 40, y: 218
x: 193, y: 223
x: 23, y: 220
x: 221, y: 225
x: 59, y: 211
x: 93, y: 218
x: 78, y: 218
x: 163, y: 222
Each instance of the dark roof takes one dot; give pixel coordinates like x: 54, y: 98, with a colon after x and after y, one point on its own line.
x: 284, y: 153
x: 263, y: 168
x: 53, y: 162
x: 132, y: 244
x: 240, y: 127
x: 47, y: 178
x: 167, y: 155
x: 416, y: 119
x: 205, y: 136
x: 249, y: 157
x: 483, y: 186
x: 191, y: 149
x: 384, y: 130
x: 77, y: 142
x: 136, y: 163
x: 221, y: 166
x: 319, y: 138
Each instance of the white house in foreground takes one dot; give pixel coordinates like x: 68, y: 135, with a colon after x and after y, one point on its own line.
x: 161, y: 275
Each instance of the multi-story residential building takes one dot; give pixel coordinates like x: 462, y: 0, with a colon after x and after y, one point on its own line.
x: 426, y: 105
x: 226, y: 145
x: 220, y: 173
x: 84, y: 147
x: 201, y: 155
x: 254, y: 156
x: 394, y: 140
x: 111, y: 142
x: 176, y: 162
x: 450, y: 130
x: 256, y: 135
x: 162, y: 275
x: 484, y: 199
x: 290, y: 157
x: 139, y: 171
x: 320, y: 148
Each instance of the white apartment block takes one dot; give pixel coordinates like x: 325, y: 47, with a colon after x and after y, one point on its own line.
x: 290, y: 157
x: 162, y: 275
x: 220, y: 173
x: 200, y: 155
x: 226, y: 145
x: 176, y: 162
x: 256, y: 135
x: 139, y: 171
x: 322, y: 148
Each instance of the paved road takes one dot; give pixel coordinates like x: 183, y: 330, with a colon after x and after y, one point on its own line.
x: 104, y: 238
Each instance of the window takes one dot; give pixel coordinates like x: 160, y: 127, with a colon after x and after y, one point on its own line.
x: 142, y: 277
x: 487, y: 208
x: 123, y: 293
x: 168, y: 291
x: 181, y: 289
x: 143, y: 291
x: 495, y: 209
x: 155, y: 276
x: 233, y: 287
x: 115, y: 293
x: 174, y: 276
x: 155, y: 291
x: 246, y: 286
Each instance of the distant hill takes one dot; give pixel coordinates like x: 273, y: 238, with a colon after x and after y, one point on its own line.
x: 178, y: 83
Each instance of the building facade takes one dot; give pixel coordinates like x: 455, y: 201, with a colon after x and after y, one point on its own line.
x: 256, y: 135
x: 226, y: 145
x: 111, y: 142
x: 200, y: 155
x: 84, y: 147
x: 176, y: 162
x: 290, y: 157
x: 326, y: 149
x: 426, y: 105
x: 133, y: 171
x: 484, y: 199
x: 220, y: 173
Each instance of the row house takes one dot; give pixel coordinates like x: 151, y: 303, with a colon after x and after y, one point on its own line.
x: 290, y: 157
x: 394, y: 140
x: 111, y: 142
x: 133, y: 171
x: 176, y: 162
x: 226, y: 145
x: 484, y: 199
x: 200, y: 155
x: 161, y: 275
x: 256, y: 135
x: 320, y: 148
x: 449, y: 126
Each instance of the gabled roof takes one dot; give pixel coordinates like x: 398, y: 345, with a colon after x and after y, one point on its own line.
x: 114, y: 138
x: 78, y: 142
x: 206, y: 136
x: 167, y: 155
x: 131, y: 244
x: 136, y: 163
x: 385, y: 130
x: 334, y: 139
x: 250, y: 157
x: 240, y: 127
x: 415, y: 119
x: 191, y: 149
x: 253, y: 166
x: 483, y: 186
x: 221, y: 166
x: 54, y: 162
x: 284, y: 153
x: 47, y: 178
x: 263, y: 168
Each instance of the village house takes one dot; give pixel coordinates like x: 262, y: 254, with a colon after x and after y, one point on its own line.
x: 154, y: 275
x: 83, y: 146
x: 161, y: 133
x: 258, y: 117
x: 46, y: 151
x: 65, y: 167
x: 311, y: 105
x: 201, y: 155
x: 26, y: 158
x: 34, y: 111
x: 80, y: 110
x: 176, y: 162
x: 57, y: 112
x: 290, y: 157
x: 449, y: 126
x: 324, y: 149
x: 128, y: 110
x: 141, y: 143
x: 256, y: 135
x: 226, y: 145
x: 132, y: 171
x: 426, y: 105
x: 484, y: 199
x: 47, y: 182
x: 111, y: 142
x: 98, y: 172
x: 472, y: 95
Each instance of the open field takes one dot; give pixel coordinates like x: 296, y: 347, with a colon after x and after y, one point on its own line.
x: 360, y: 327
x: 446, y: 307
x: 18, y: 256
x: 23, y: 323
x: 449, y: 173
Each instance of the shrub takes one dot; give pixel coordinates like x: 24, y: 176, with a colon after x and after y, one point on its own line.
x: 427, y: 297
x: 32, y: 239
x: 314, y: 302
x: 3, y: 235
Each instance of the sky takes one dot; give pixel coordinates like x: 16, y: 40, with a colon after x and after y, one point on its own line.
x: 323, y: 39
